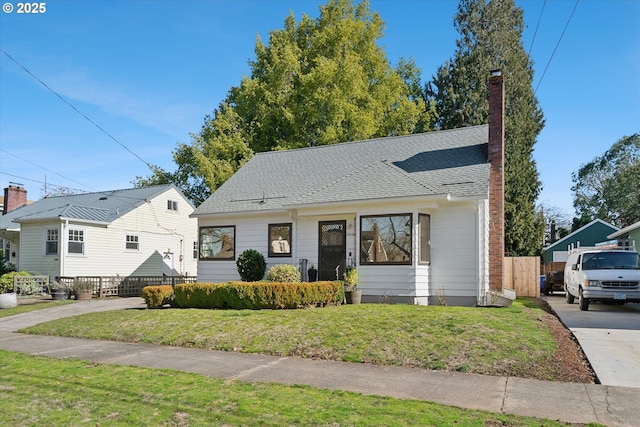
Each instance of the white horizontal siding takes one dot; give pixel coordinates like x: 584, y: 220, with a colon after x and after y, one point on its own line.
x: 454, y: 270
x: 159, y: 229
x: 32, y: 251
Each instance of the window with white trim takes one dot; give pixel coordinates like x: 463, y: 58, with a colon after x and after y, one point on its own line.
x: 172, y: 205
x: 132, y: 242
x: 195, y: 249
x: 51, y: 242
x: 76, y: 241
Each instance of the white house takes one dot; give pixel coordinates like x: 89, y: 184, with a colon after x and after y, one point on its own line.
x: 415, y: 214
x: 131, y: 232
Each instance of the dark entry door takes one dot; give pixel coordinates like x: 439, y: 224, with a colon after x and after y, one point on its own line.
x: 332, y: 249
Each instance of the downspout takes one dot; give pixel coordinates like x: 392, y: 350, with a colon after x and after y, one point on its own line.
x: 65, y: 226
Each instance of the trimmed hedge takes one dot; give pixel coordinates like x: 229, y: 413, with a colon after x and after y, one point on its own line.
x: 157, y: 296
x: 258, y: 295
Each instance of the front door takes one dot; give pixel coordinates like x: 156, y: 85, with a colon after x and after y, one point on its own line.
x: 332, y: 249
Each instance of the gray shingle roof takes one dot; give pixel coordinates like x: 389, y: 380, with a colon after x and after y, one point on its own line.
x: 103, y: 206
x: 452, y: 162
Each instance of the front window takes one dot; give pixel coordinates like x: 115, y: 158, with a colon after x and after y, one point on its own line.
x: 218, y: 243
x: 172, y: 205
x: 195, y: 250
x: 132, y: 242
x: 76, y: 242
x: 424, y: 223
x: 385, y: 239
x: 51, y: 245
x: 280, y: 240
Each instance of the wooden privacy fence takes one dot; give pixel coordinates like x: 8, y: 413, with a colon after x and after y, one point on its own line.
x: 124, y: 286
x: 523, y: 275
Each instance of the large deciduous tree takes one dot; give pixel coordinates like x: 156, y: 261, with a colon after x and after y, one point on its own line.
x: 320, y: 81
x: 491, y: 38
x: 608, y: 187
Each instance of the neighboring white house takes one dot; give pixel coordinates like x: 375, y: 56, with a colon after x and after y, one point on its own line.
x: 131, y: 232
x: 412, y: 213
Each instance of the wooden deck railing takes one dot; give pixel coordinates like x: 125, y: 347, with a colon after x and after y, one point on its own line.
x: 124, y: 286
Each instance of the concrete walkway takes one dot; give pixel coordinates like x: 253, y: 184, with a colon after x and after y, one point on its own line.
x: 568, y: 402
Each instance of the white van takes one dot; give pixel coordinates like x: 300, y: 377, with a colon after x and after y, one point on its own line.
x: 603, y: 275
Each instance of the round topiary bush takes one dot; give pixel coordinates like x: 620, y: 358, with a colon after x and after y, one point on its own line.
x: 284, y: 273
x: 251, y: 265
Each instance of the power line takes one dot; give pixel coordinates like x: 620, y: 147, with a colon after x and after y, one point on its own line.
x: 537, y: 26
x: 41, y: 182
x: 42, y: 167
x: 557, y: 44
x: 76, y: 110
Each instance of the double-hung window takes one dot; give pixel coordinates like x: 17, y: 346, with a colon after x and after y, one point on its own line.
x: 76, y: 241
x: 51, y: 244
x: 132, y: 242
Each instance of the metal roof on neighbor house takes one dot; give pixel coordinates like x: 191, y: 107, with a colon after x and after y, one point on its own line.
x: 100, y: 207
x: 451, y: 162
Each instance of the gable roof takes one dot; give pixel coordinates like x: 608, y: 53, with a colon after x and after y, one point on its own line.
x: 570, y: 237
x: 449, y: 163
x: 625, y: 230
x: 100, y: 207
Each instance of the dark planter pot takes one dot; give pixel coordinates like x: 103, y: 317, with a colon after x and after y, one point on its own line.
x: 353, y: 297
x: 60, y: 295
x: 313, y: 275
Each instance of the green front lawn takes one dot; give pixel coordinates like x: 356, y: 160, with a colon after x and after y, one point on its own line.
x: 495, y: 341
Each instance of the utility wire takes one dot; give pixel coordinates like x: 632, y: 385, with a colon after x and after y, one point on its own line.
x: 42, y: 182
x: 48, y: 170
x: 537, y: 26
x: 557, y: 44
x: 78, y: 111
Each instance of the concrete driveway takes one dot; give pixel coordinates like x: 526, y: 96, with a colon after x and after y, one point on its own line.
x: 609, y: 336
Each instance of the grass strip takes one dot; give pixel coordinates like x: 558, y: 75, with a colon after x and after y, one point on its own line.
x: 39, y: 390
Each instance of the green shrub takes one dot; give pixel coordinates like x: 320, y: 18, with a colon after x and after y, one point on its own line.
x: 258, y: 295
x: 6, y: 280
x: 251, y: 265
x: 199, y: 295
x: 157, y: 296
x: 284, y: 273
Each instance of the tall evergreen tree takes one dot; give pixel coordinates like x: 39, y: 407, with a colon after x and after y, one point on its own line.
x: 491, y: 38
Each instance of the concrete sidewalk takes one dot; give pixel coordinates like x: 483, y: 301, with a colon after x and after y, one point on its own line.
x: 575, y: 403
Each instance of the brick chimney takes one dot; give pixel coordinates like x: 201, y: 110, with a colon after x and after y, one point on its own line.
x: 14, y: 197
x: 496, y: 179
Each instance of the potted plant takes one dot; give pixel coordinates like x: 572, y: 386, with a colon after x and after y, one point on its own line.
x: 59, y: 291
x: 313, y: 273
x: 83, y: 290
x: 351, y: 293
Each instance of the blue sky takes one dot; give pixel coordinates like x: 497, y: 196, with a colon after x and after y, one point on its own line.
x: 148, y: 72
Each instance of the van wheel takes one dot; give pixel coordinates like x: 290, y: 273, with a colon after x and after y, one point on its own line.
x: 567, y: 295
x: 583, y: 302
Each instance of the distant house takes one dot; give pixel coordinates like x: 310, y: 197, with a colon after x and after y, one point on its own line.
x: 140, y: 231
x: 589, y: 235
x: 412, y: 213
x: 628, y: 236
